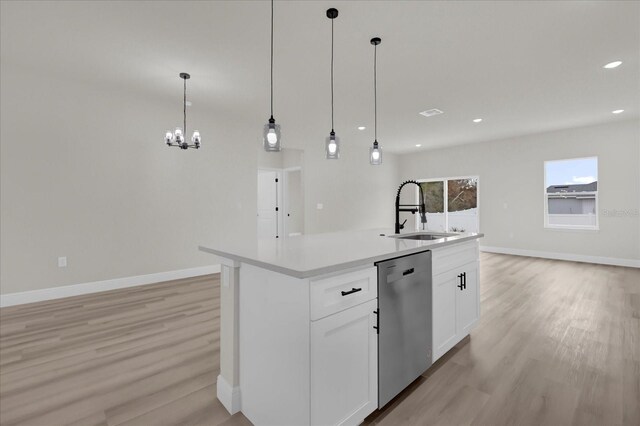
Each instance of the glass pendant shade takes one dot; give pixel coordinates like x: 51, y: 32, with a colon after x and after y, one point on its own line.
x: 375, y: 154
x: 272, y: 138
x: 332, y: 147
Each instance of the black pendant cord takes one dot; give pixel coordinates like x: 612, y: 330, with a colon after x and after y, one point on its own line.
x: 332, y: 76
x: 272, y: 59
x: 184, y: 108
x: 375, y: 93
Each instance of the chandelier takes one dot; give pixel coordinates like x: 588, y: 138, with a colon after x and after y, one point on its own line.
x: 176, y: 138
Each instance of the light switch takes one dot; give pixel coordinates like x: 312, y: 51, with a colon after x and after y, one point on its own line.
x: 319, y: 206
x: 62, y: 262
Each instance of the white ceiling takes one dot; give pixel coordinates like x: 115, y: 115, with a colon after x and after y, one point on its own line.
x: 523, y: 67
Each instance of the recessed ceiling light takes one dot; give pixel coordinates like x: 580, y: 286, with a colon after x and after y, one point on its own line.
x: 418, y: 145
x: 477, y: 120
x: 431, y: 112
x: 614, y: 64
x: 361, y: 128
x: 618, y: 111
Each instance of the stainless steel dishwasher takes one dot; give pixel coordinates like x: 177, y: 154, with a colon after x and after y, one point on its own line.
x: 404, y: 322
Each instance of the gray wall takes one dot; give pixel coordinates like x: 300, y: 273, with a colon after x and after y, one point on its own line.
x: 512, y: 186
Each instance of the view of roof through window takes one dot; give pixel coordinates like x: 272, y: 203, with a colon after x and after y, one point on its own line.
x: 578, y: 171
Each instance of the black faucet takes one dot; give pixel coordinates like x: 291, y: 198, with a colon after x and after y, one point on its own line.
x: 413, y: 208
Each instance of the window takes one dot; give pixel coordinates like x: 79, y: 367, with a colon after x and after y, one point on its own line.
x: 571, y: 193
x: 451, y: 203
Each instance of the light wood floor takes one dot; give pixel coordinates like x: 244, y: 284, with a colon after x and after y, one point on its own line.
x: 558, y: 344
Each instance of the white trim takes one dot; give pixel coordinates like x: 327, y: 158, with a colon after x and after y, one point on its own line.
x: 546, y: 194
x: 231, y: 263
x: 572, y: 227
x: 32, y: 296
x: 280, y: 207
x: 228, y: 396
x: 286, y: 200
x: 631, y: 263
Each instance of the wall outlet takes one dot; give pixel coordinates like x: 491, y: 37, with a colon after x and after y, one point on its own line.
x: 319, y: 206
x: 62, y: 262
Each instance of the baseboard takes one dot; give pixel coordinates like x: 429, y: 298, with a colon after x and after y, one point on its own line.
x: 632, y: 263
x: 228, y: 396
x: 12, y: 299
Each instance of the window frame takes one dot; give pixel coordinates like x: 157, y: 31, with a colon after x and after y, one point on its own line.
x: 545, y: 207
x: 445, y: 194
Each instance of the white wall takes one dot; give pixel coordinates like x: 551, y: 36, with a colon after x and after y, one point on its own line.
x: 85, y: 174
x: 354, y: 194
x: 511, y: 175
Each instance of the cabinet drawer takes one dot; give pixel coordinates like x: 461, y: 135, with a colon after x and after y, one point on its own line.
x: 448, y: 258
x: 336, y: 293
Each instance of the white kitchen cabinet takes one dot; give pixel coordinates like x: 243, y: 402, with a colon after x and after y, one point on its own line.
x: 338, y: 292
x: 310, y: 357
x: 344, y: 366
x: 456, y: 296
x: 444, y: 314
x: 305, y: 349
x: 468, y: 300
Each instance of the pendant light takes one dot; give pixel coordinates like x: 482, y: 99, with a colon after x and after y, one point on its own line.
x: 332, y: 145
x: 375, y: 153
x: 176, y: 138
x: 271, y: 141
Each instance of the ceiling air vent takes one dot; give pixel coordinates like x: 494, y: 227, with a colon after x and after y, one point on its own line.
x: 431, y: 112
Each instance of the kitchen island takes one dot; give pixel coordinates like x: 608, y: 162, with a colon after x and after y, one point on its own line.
x: 299, y: 317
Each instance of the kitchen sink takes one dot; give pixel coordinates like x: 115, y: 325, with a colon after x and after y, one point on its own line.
x: 424, y: 236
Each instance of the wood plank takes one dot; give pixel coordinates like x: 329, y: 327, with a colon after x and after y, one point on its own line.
x: 558, y: 343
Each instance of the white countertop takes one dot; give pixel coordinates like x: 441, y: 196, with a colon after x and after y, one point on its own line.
x: 317, y: 254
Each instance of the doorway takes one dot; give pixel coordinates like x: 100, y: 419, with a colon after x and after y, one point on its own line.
x: 280, y: 203
x: 269, y: 202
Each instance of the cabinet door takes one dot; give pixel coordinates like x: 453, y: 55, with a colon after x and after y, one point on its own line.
x: 444, y: 313
x: 468, y: 299
x: 344, y: 366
